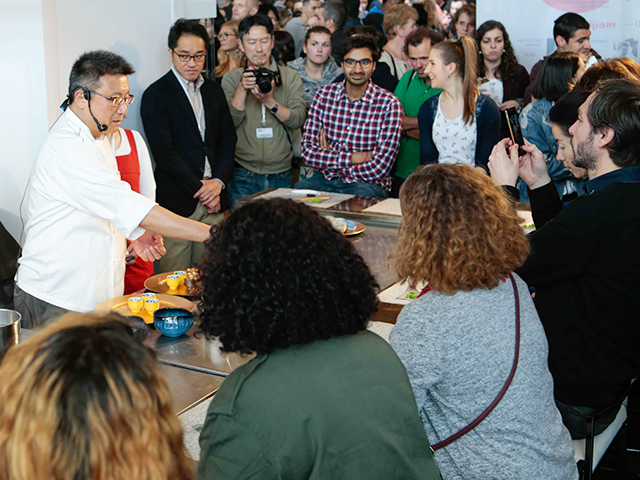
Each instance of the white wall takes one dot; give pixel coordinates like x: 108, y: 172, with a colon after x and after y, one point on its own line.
x: 23, y: 114
x: 137, y: 30
x: 530, y: 25
x: 40, y: 40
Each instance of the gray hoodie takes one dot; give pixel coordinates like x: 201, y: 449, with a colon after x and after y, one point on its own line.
x: 311, y: 85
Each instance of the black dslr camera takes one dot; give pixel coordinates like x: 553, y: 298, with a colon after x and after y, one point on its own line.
x: 264, y: 76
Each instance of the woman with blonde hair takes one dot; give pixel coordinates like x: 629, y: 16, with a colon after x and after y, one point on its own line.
x: 84, y: 400
x: 472, y: 342
x: 458, y: 125
x: 229, y: 55
x: 399, y: 22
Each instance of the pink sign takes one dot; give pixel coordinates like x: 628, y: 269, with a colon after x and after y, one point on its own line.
x: 577, y: 6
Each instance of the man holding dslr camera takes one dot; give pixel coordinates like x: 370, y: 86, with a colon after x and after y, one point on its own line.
x: 264, y: 117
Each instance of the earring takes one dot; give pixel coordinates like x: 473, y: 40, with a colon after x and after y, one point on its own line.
x: 480, y: 52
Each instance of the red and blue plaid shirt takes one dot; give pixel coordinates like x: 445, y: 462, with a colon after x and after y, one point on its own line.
x: 372, y: 123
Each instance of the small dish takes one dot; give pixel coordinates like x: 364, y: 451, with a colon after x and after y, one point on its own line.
x: 172, y: 322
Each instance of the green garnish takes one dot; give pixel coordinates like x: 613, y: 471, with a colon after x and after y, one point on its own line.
x: 412, y: 295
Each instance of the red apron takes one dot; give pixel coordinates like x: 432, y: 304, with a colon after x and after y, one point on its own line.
x: 129, y: 168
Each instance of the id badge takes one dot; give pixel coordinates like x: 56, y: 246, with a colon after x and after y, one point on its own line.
x: 264, y: 132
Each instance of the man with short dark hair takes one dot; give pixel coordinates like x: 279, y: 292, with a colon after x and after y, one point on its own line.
x: 297, y: 26
x: 80, y: 212
x: 188, y: 126
x: 585, y: 262
x: 382, y: 75
x: 334, y: 15
x: 571, y: 33
x: 413, y: 90
x: 264, y: 119
x: 352, y: 133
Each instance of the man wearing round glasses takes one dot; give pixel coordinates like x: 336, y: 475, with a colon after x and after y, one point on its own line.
x: 192, y: 139
x: 352, y: 132
x: 80, y: 211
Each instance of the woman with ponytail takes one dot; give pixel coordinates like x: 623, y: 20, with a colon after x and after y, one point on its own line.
x: 459, y: 125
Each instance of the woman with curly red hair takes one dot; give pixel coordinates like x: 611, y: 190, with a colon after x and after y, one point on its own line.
x: 472, y: 343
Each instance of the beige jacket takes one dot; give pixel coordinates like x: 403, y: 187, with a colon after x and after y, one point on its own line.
x: 266, y: 155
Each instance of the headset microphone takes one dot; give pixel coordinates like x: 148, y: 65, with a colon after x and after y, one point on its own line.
x: 87, y: 96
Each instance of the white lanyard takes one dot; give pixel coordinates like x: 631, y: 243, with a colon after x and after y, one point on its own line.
x: 264, y: 116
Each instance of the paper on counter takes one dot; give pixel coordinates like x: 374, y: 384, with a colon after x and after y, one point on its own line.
x: 396, y: 293
x: 526, y: 220
x: 389, y: 206
x: 294, y: 194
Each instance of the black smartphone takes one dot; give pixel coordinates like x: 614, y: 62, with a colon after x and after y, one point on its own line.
x: 515, y: 132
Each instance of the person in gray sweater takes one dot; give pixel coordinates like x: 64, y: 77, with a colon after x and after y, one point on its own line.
x: 458, y: 339
x: 317, y: 69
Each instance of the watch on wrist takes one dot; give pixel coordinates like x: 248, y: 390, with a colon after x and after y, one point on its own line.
x: 274, y: 109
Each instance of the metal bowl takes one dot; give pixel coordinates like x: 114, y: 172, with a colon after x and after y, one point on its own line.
x: 9, y: 329
x: 172, y: 322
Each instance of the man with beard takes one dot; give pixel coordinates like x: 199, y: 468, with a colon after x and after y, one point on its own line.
x: 585, y: 262
x: 413, y: 90
x: 352, y: 132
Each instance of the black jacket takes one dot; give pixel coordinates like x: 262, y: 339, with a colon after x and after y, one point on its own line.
x: 585, y: 267
x: 176, y: 144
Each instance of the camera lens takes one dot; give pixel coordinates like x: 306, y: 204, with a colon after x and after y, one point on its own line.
x: 264, y: 84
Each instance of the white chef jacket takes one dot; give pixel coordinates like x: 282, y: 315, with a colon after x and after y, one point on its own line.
x: 79, y: 213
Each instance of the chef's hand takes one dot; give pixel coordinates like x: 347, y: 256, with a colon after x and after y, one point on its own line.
x: 131, y: 256
x: 149, y: 247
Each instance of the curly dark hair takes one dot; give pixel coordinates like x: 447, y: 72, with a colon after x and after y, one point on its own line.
x: 509, y: 65
x: 277, y: 274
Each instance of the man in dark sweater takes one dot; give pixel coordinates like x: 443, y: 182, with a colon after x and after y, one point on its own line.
x: 585, y: 262
x: 571, y: 33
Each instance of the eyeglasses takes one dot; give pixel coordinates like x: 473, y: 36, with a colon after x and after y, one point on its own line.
x: 364, y: 63
x: 223, y: 36
x: 198, y: 57
x: 117, y: 101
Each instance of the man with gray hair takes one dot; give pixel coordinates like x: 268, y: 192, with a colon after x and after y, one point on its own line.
x: 80, y: 212
x: 297, y: 26
x: 243, y: 8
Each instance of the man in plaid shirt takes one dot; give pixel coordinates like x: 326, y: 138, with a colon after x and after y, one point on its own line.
x: 352, y: 133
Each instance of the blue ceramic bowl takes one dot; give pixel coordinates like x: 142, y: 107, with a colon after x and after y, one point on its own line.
x: 172, y: 322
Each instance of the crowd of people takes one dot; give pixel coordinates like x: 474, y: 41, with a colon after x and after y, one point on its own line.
x: 514, y: 339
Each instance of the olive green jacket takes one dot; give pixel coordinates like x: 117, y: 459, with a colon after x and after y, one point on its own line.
x: 341, y: 408
x: 266, y: 155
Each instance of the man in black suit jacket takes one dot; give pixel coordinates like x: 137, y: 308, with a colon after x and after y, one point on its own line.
x: 192, y: 138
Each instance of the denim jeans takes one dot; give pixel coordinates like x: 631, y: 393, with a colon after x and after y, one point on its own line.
x: 245, y: 182
x: 319, y: 182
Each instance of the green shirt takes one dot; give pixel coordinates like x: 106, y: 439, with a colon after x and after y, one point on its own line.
x: 412, y: 93
x: 341, y: 408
